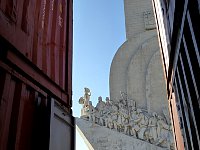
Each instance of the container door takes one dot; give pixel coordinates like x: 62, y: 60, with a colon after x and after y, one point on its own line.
x: 61, y: 128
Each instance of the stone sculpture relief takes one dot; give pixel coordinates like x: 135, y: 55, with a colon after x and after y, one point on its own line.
x: 124, y: 116
x: 149, y: 20
x: 84, y: 100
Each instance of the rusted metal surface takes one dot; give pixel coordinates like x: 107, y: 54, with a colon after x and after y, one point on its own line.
x: 18, y: 112
x: 41, y: 31
x: 35, y: 68
x: 25, y: 112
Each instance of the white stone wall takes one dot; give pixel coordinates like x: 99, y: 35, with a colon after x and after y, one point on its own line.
x: 121, y: 61
x: 135, y: 71
x: 134, y: 19
x: 100, y: 138
x: 136, y: 67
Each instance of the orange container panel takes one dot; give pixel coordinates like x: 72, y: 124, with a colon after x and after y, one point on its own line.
x: 41, y: 30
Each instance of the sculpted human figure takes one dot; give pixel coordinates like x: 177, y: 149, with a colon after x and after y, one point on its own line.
x: 111, y: 102
x: 153, y: 128
x: 131, y: 106
x: 115, y: 117
x: 107, y: 108
x: 102, y: 120
x: 125, y: 120
x: 123, y: 112
x: 163, y: 131
x: 84, y: 100
x: 109, y: 121
x: 123, y: 116
x: 135, y: 119
x: 170, y: 139
x: 127, y: 128
x: 142, y: 122
x: 100, y: 108
x: 91, y: 112
x: 134, y: 126
x: 81, y: 101
x: 120, y: 119
x: 124, y: 98
x: 127, y: 123
x: 108, y: 101
x: 100, y: 105
x: 87, y: 96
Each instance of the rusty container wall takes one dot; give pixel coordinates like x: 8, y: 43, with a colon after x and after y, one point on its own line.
x: 25, y: 114
x: 41, y: 32
x: 35, y: 71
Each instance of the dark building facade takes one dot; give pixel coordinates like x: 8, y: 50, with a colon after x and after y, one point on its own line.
x: 36, y: 75
x: 179, y: 36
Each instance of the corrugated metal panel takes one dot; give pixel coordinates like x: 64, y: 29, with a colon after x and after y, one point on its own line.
x: 25, y: 112
x: 35, y: 76
x: 6, y: 100
x: 41, y: 30
x: 17, y: 114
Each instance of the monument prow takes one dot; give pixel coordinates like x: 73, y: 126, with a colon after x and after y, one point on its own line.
x: 113, y: 119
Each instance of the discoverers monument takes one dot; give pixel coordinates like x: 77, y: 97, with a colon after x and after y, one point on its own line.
x: 135, y: 116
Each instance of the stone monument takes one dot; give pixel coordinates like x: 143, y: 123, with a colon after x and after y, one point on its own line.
x: 122, y: 125
x: 136, y: 68
x: 136, y: 114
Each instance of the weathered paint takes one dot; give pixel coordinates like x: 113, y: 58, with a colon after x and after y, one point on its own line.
x: 35, y: 69
x: 41, y: 30
x: 25, y: 114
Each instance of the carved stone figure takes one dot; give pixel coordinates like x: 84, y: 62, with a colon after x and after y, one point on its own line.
x: 163, y: 131
x: 153, y: 128
x: 87, y: 96
x: 134, y: 126
x: 115, y: 116
x: 109, y: 121
x: 107, y: 101
x: 107, y: 107
x: 131, y: 105
x: 92, y: 111
x: 124, y: 98
x: 84, y: 100
x: 170, y: 139
x: 142, y: 122
x: 101, y: 121
x: 81, y: 101
x: 125, y: 117
x: 123, y: 113
x: 100, y: 105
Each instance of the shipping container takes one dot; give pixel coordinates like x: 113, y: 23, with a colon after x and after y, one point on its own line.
x: 40, y: 32
x: 36, y: 75
x: 30, y: 118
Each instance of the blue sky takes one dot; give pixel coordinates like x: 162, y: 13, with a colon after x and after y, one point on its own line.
x: 99, y: 30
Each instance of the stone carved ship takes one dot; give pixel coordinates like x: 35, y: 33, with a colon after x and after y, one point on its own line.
x: 123, y: 116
